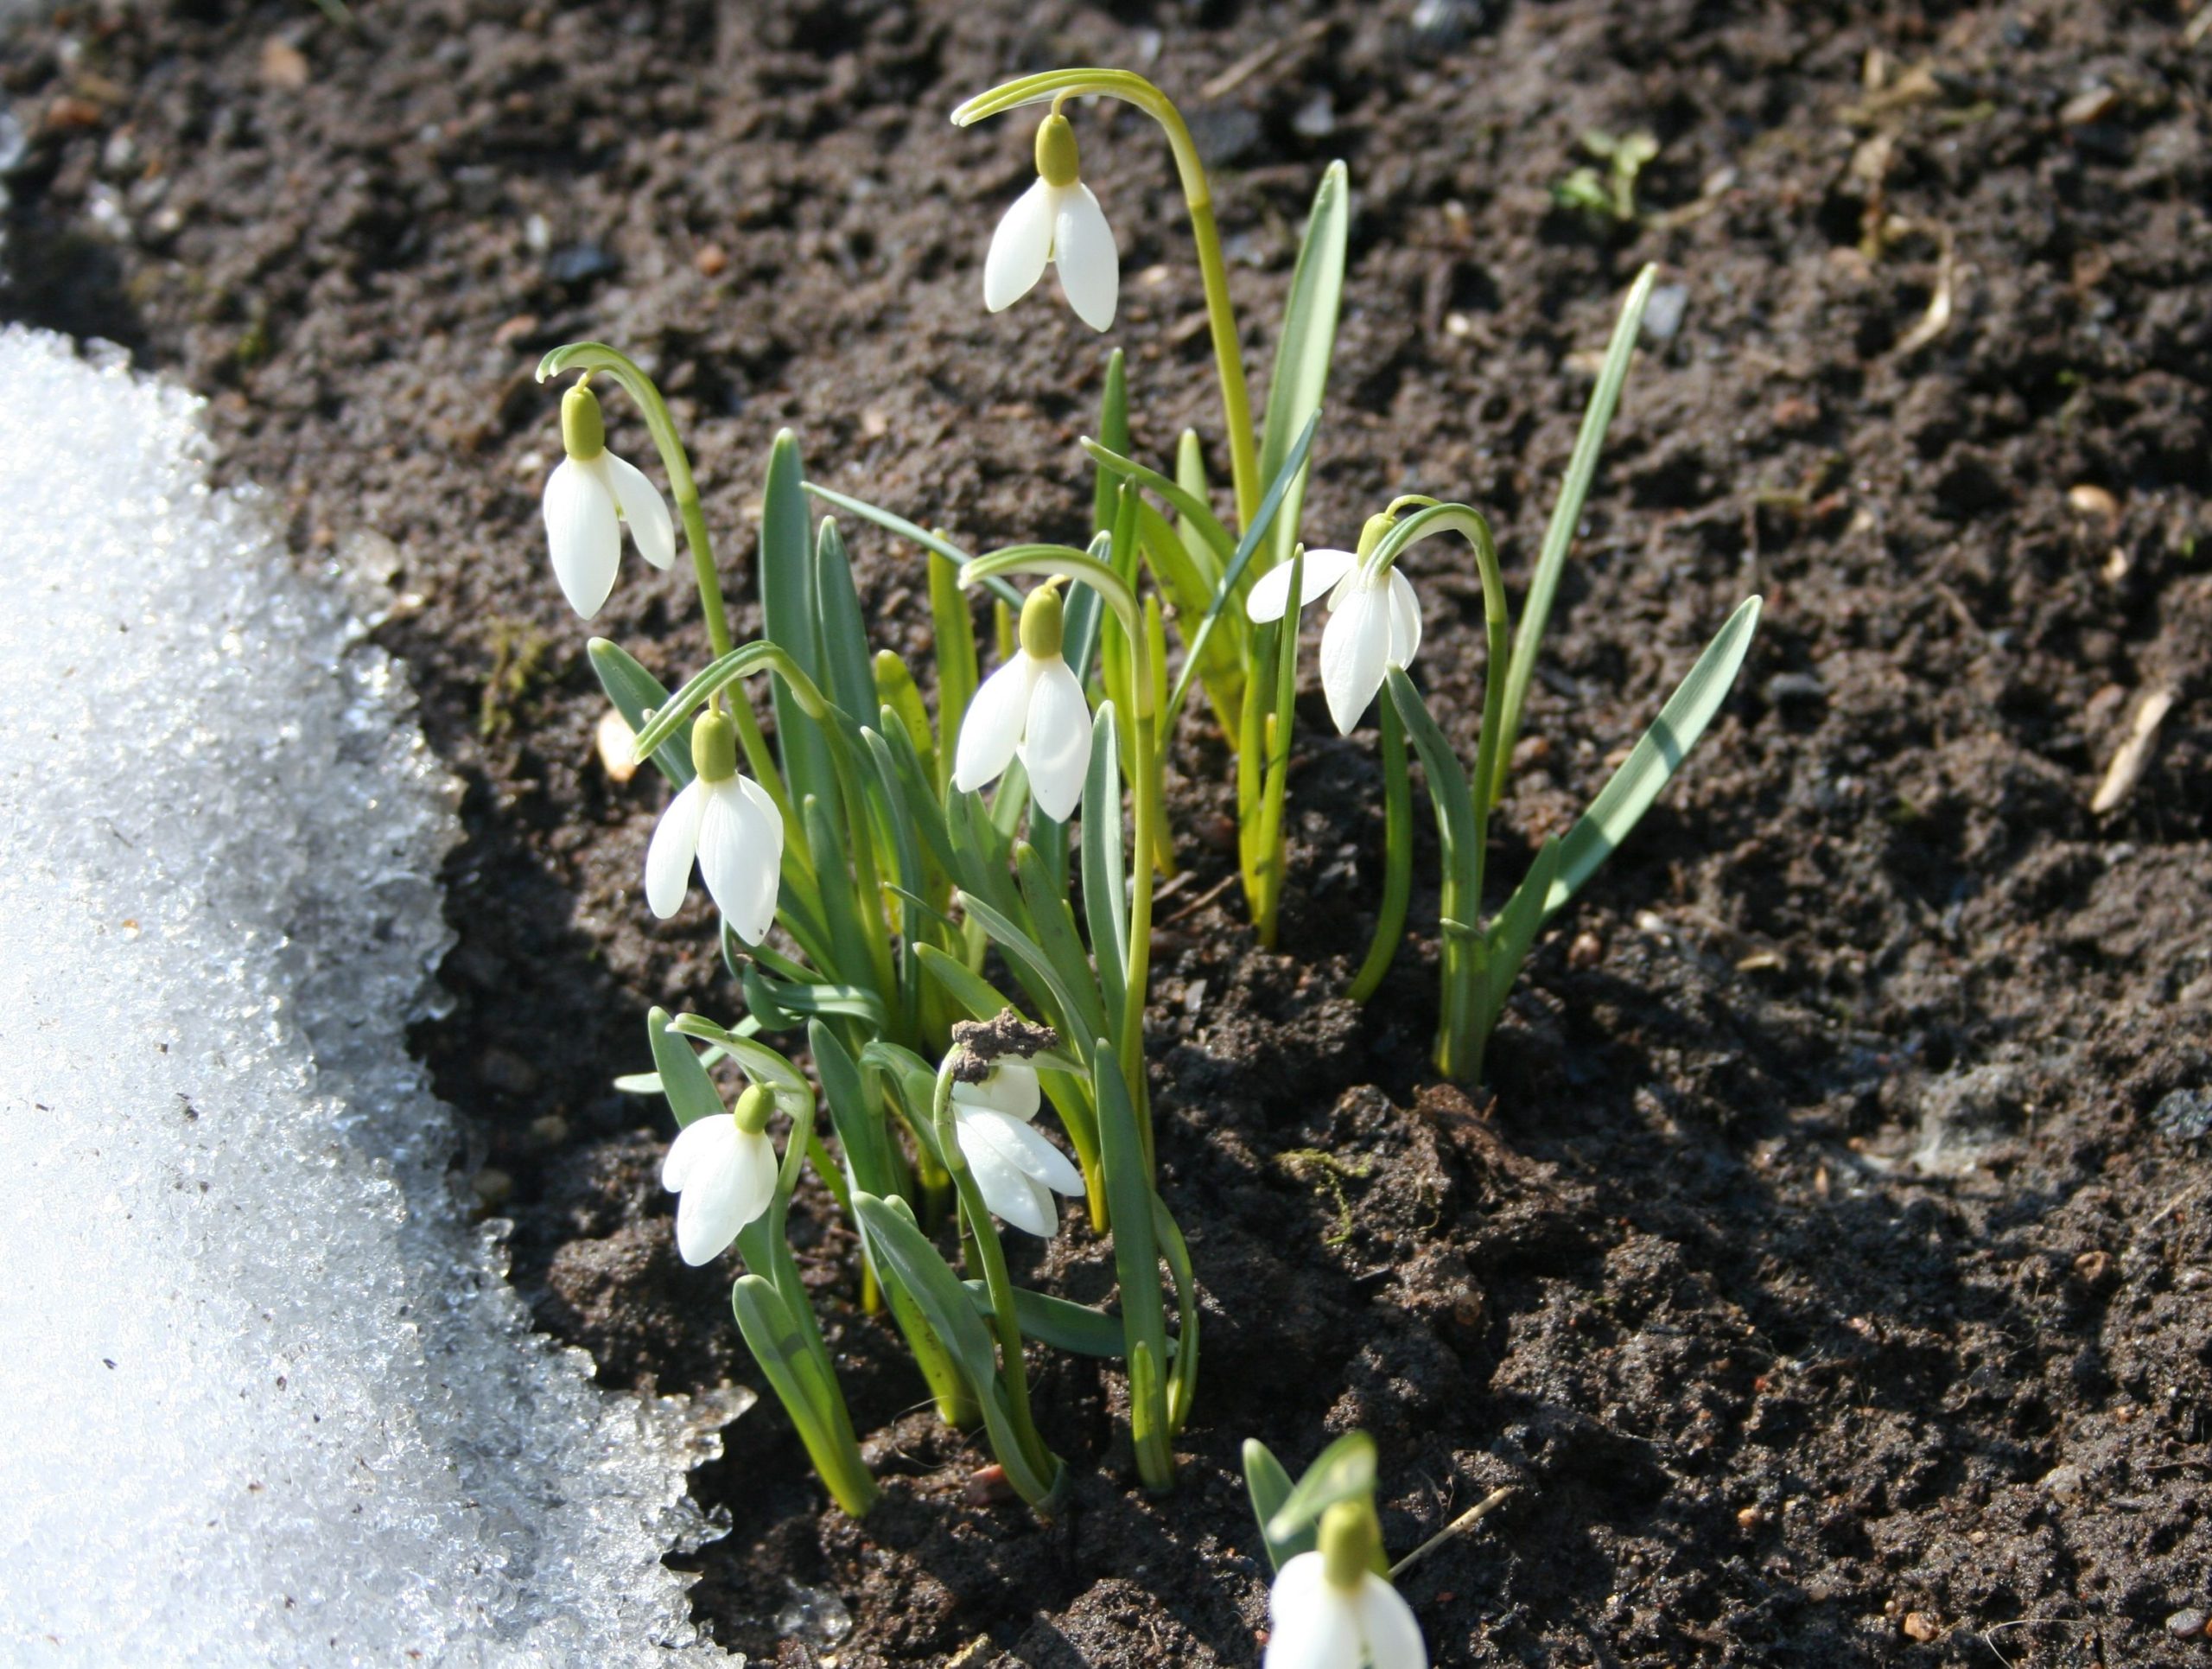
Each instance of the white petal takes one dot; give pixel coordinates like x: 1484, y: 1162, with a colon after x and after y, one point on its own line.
x: 1082, y: 250
x: 991, y: 729
x: 1056, y: 741
x: 583, y: 534
x: 740, y: 851
x: 1019, y: 247
x: 1025, y: 1148
x: 1311, y: 1625
x: 1355, y: 649
x: 756, y: 1166
x: 1386, y: 1623
x: 1006, y: 1189
x: 702, y: 1146
x: 1323, y: 568
x: 767, y: 875
x: 675, y: 844
x: 1012, y: 1089
x: 1405, y: 621
x: 717, y: 1195
x: 639, y: 503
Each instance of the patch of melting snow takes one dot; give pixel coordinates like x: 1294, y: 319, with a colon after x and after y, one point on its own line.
x: 270, y: 1398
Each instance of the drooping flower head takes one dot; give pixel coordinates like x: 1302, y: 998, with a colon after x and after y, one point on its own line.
x: 1033, y: 707
x: 1374, y: 620
x: 1056, y: 221
x: 727, y: 823
x: 1017, y: 1169
x: 723, y: 1169
x: 1329, y: 1610
x: 590, y: 494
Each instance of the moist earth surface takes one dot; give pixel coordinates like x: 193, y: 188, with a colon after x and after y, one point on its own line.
x: 1825, y: 1264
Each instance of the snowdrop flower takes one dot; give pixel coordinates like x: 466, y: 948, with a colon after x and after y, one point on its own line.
x: 590, y: 494
x: 723, y: 1172
x: 1056, y: 220
x: 1016, y: 1168
x: 1329, y: 1610
x: 726, y: 822
x: 1373, y: 624
x: 1033, y: 707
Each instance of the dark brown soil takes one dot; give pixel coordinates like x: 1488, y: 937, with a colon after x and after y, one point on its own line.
x: 1832, y: 1274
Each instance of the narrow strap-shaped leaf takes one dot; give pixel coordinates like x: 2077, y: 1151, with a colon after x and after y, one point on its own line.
x: 906, y: 530
x: 906, y: 777
x: 1514, y: 930
x: 1262, y: 519
x: 1074, y: 1328
x: 788, y: 620
x: 904, y: 1256
x: 841, y: 914
x: 763, y: 1065
x: 1113, y: 431
x: 1308, y: 341
x: 1657, y: 753
x: 1567, y: 516
x: 982, y: 999
x: 1039, y: 973
x: 1054, y: 921
x: 692, y: 1093
x: 1105, y: 879
x: 1137, y: 1261
x: 1344, y: 1471
x: 778, y: 1344
x: 1191, y: 508
x: 1182, y: 1388
x: 853, y: 1113
x: 636, y: 694
x: 1269, y: 1486
x: 846, y: 673
x: 783, y: 1003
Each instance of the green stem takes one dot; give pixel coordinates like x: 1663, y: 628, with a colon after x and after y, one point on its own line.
x: 1276, y: 771
x: 982, y: 1240
x: 1198, y: 197
x: 1397, y: 858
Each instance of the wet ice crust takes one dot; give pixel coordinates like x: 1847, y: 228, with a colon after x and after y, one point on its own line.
x: 269, y: 1398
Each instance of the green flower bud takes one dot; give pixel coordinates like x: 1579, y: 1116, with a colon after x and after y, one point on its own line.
x: 1042, y: 624
x: 1056, y: 152
x: 1349, y: 1538
x: 713, y: 748
x: 583, y: 430
x: 753, y: 1106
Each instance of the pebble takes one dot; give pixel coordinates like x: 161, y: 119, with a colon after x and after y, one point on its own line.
x: 1919, y: 1626
x: 493, y: 1185
x: 1663, y: 314
x: 617, y: 744
x: 2192, y: 1621
x: 2063, y: 1481
x: 505, y: 1070
x: 2091, y: 500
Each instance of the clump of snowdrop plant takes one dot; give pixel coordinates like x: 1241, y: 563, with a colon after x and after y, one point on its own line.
x: 947, y: 903
x: 1332, y: 1605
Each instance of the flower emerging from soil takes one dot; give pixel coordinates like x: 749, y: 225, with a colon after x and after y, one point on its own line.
x: 1057, y: 222
x: 590, y: 494
x: 1373, y: 624
x: 1329, y: 1610
x: 1017, y: 1169
x: 1033, y: 707
x: 730, y: 826
x: 723, y: 1172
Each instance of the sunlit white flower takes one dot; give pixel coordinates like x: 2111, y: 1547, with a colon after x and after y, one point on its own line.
x: 727, y: 823
x: 1374, y: 625
x: 1058, y: 222
x: 590, y: 494
x: 1329, y: 1610
x: 723, y: 1169
x: 1017, y: 1169
x: 1033, y: 707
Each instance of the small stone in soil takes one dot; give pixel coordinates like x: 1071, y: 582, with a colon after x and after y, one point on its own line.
x: 2181, y: 1624
x: 989, y: 1487
x: 1919, y: 1626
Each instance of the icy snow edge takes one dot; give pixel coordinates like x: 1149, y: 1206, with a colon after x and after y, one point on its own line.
x: 268, y: 1397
